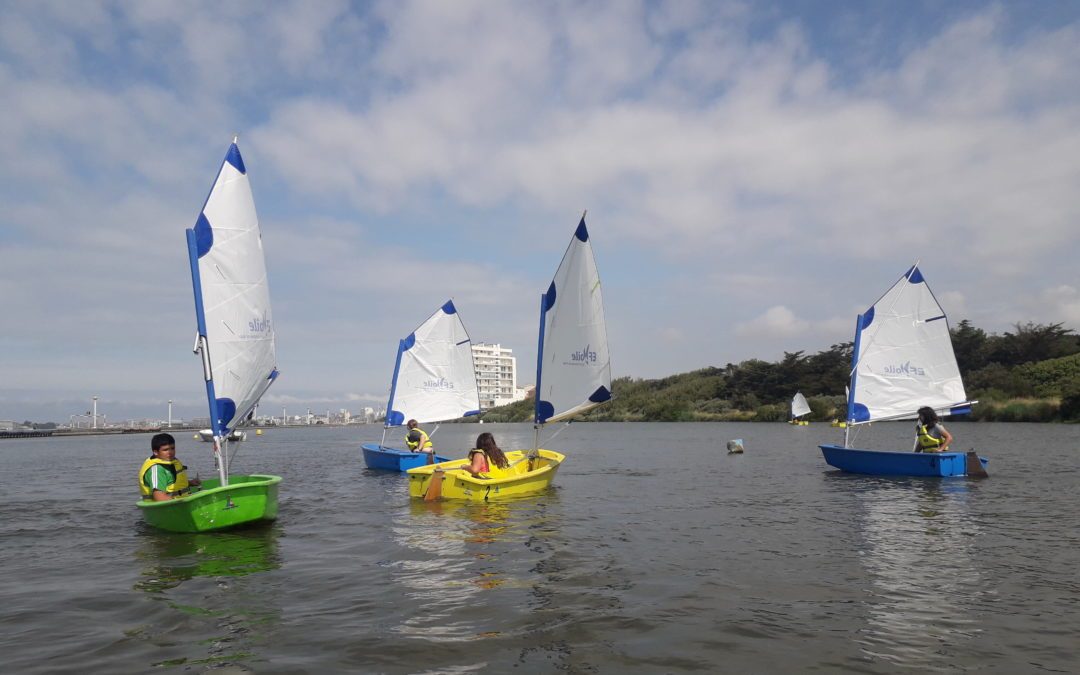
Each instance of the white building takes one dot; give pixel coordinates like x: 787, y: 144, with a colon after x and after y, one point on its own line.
x: 496, y: 375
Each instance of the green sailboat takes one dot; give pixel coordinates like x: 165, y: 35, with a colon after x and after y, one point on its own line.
x: 236, y: 342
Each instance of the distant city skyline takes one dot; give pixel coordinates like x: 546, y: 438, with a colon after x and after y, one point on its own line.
x: 755, y: 175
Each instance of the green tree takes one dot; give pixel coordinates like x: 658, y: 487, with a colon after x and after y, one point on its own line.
x: 969, y: 345
x: 1032, y: 342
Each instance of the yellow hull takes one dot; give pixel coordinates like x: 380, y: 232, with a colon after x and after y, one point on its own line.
x: 514, y: 481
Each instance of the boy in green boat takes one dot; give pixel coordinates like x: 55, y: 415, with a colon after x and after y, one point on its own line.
x: 163, y: 476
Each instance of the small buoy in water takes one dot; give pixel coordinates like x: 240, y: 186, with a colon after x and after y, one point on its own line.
x: 735, y: 446
x: 258, y: 432
x: 195, y: 436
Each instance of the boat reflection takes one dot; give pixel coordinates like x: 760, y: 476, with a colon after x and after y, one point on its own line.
x: 224, y: 611
x: 917, y: 548
x: 458, y: 551
x: 170, y: 559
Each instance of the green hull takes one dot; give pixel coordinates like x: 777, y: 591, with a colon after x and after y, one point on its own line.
x: 246, y: 499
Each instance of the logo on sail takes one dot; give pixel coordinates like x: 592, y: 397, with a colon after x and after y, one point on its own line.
x: 260, y: 325
x: 441, y: 384
x: 904, y: 369
x: 582, y: 357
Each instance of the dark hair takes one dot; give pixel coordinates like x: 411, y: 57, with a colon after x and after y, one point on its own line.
x: 411, y: 423
x: 486, y: 442
x: 927, y: 416
x: 160, y: 440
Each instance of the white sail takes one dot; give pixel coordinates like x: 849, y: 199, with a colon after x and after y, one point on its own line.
x: 799, y: 406
x: 904, y: 357
x: 573, y: 371
x: 434, y: 378
x: 232, y: 298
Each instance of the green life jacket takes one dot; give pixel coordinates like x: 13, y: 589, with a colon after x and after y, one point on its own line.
x: 180, y: 481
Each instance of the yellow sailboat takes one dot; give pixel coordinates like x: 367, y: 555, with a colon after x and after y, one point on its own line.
x: 573, y: 375
x: 524, y: 476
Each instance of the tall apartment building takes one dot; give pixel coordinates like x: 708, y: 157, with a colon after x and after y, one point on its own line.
x: 496, y: 375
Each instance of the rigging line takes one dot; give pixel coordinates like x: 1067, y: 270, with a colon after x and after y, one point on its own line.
x: 558, y: 431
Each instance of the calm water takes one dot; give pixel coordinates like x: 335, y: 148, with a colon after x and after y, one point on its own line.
x: 655, y: 552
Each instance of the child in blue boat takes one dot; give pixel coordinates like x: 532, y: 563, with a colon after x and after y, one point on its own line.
x: 417, y: 439
x: 930, y: 434
x: 484, y: 455
x: 163, y: 476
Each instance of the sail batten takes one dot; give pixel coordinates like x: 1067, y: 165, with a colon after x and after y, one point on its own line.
x: 434, y: 377
x: 573, y: 362
x: 904, y: 357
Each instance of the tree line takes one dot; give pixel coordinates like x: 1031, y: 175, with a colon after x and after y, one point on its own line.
x: 1028, y: 374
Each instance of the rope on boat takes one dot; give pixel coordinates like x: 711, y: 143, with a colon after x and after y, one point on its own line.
x: 558, y: 431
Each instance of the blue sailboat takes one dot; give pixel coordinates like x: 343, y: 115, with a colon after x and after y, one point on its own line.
x: 903, y: 360
x: 434, y: 381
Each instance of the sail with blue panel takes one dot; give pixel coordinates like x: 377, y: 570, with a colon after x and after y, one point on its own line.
x: 232, y: 299
x: 903, y: 358
x: 434, y: 378
x: 573, y: 369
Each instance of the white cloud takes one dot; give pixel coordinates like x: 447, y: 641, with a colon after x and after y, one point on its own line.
x: 731, y: 161
x: 778, y: 321
x: 1063, y: 304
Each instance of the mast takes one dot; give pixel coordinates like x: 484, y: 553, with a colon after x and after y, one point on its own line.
x: 537, y: 422
x: 393, y: 389
x: 851, y: 382
x: 202, y: 348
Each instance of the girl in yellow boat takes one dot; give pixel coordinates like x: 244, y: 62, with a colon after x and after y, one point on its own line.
x: 930, y: 435
x: 484, y: 455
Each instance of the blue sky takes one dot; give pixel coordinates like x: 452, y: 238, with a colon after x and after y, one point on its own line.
x: 755, y: 175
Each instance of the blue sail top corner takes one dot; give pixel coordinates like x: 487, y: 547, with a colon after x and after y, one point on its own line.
x: 582, y: 232
x: 233, y: 157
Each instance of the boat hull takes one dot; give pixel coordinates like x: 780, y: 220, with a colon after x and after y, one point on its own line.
x: 246, y: 499
x: 881, y: 463
x: 515, y: 481
x: 391, y: 459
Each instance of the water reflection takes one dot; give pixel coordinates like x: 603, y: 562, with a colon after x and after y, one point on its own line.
x: 917, y: 546
x: 169, y: 559
x: 457, y: 552
x: 212, y: 605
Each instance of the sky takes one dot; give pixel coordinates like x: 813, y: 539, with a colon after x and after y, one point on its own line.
x: 755, y: 175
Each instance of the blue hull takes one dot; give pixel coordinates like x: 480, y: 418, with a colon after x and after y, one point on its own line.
x: 878, y: 463
x: 389, y: 459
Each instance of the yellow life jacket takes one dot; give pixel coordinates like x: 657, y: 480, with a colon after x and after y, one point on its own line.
x: 180, y: 481
x: 423, y: 444
x: 487, y: 467
x: 927, y: 442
